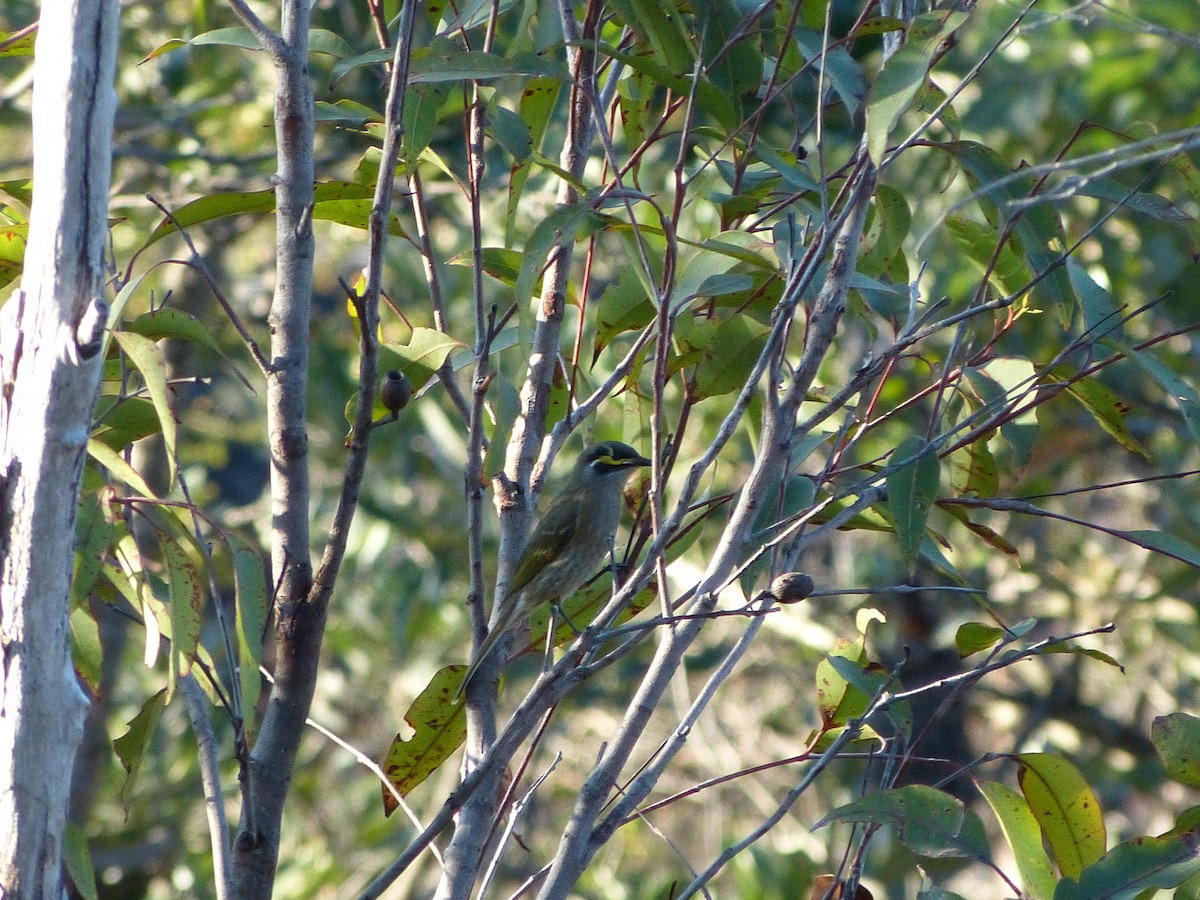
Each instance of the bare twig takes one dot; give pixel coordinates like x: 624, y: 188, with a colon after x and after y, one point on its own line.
x: 208, y: 751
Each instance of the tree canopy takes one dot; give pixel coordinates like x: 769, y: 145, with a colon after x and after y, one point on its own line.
x: 896, y: 298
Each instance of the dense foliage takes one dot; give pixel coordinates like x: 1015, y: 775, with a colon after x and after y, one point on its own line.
x: 993, y: 459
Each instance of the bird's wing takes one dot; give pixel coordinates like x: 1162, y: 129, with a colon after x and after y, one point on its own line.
x: 549, y: 538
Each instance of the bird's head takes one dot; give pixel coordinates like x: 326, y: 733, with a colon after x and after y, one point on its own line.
x: 609, y: 458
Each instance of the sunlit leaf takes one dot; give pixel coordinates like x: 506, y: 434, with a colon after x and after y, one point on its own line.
x: 423, y: 355
x: 148, y: 358
x: 117, y: 467
x: 1066, y: 809
x: 439, y: 728
x: 904, y: 74
x: 1024, y: 837
x: 972, y: 637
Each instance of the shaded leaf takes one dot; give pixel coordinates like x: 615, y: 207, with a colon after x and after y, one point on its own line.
x: 1176, y: 738
x: 929, y: 822
x: 78, y: 860
x: 912, y: 490
x: 87, y: 653
x: 187, y: 597
x: 250, y: 599
x: 131, y: 746
x: 94, y: 530
x: 1108, y: 410
x: 1137, y: 865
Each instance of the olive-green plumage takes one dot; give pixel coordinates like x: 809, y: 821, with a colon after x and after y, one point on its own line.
x: 569, y: 543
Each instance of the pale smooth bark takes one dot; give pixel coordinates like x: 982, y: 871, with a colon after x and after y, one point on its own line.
x: 49, y: 375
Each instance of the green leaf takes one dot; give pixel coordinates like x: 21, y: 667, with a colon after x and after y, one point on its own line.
x: 148, y: 358
x: 974, y: 471
x: 1148, y: 204
x: 972, y: 637
x: 1104, y: 405
x: 1007, y: 271
x: 1101, y: 318
x: 536, y: 108
x: 422, y: 106
x: 838, y: 698
x: 659, y: 21
x: 510, y: 132
x: 624, y: 306
x: 235, y: 36
x: 1041, y: 240
x: 167, y: 322
x: 439, y: 728
x: 94, y: 529
x: 250, y: 598
x: 236, y: 203
x: 708, y: 97
x: 87, y: 653
x: 1179, y: 390
x: 887, y: 228
x: 184, y: 578
x: 729, y: 355
x: 455, y: 65
x: 423, y: 355
x: 12, y: 252
x: 504, y: 405
x: 1075, y: 650
x: 912, y: 491
x: 117, y: 467
x: 1066, y: 809
x: 78, y: 860
x: 131, y: 746
x: 929, y: 822
x: 319, y: 41
x: 558, y: 228
x: 1176, y: 737
x: 1166, y: 544
x: 22, y: 46
x: 129, y: 419
x: 840, y: 68
x: 1137, y: 865
x: 903, y: 76
x: 346, y: 111
x: 1024, y: 837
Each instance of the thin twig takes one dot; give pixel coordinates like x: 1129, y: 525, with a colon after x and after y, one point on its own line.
x: 208, y: 753
x: 197, y: 262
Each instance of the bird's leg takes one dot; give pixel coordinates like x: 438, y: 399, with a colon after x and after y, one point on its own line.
x: 612, y: 561
x: 556, y: 612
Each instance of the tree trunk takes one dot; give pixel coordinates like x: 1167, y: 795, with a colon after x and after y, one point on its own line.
x: 50, y: 333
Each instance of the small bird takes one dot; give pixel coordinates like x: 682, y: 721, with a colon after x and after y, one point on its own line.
x: 569, y: 542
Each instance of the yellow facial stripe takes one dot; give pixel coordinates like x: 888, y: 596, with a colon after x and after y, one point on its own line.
x: 614, y: 461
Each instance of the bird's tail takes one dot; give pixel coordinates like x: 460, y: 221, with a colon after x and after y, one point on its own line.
x: 510, y: 612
